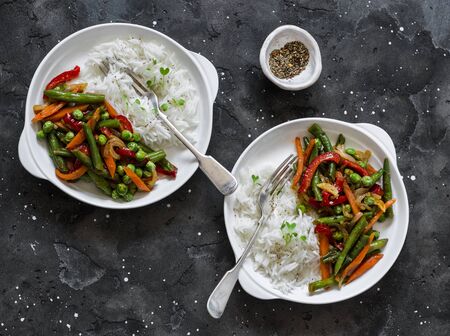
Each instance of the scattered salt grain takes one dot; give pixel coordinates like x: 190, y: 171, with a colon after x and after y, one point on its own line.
x: 125, y: 279
x: 413, y: 178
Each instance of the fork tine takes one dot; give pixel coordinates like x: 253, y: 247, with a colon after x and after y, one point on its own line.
x: 276, y: 171
x: 136, y: 80
x: 281, y: 178
x: 137, y: 88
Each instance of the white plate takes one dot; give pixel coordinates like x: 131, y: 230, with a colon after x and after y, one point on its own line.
x: 73, y: 51
x: 272, y: 147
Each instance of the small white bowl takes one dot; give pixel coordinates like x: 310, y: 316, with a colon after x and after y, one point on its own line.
x: 276, y: 40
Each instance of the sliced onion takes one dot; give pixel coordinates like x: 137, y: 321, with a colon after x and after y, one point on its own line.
x: 379, y: 203
x: 329, y: 188
x: 108, y: 150
x: 356, y: 218
x: 340, y: 149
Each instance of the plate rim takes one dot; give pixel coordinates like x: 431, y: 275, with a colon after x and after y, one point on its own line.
x: 229, y: 213
x: 99, y: 202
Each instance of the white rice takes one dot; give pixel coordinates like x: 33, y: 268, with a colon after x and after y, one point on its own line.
x: 145, y: 59
x: 287, y: 265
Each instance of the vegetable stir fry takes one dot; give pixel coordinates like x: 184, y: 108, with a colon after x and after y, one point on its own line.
x: 345, y: 191
x: 89, y: 140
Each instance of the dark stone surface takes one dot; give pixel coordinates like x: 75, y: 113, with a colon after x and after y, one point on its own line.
x: 64, y: 264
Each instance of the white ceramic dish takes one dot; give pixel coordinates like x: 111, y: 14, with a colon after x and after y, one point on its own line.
x: 73, y: 50
x: 280, y: 142
x: 276, y: 40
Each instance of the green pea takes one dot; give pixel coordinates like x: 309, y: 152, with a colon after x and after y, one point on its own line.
x: 104, y: 115
x: 115, y: 195
x: 140, y: 155
x: 136, y: 137
x: 337, y: 235
x: 41, y: 135
x: 69, y: 136
x: 362, y: 164
x: 369, y: 200
x: 77, y: 114
x: 347, y: 208
x: 132, y: 188
x: 164, y: 107
x: 138, y: 172
x: 48, y: 127
x: 120, y: 170
x: 133, y: 146
x: 338, y: 209
x: 366, y: 181
x: 126, y: 179
x: 128, y: 197
x: 122, y: 189
x: 150, y: 166
x: 127, y: 135
x: 350, y: 151
x: 102, y: 139
x: 131, y: 166
x: 355, y: 178
x: 382, y: 218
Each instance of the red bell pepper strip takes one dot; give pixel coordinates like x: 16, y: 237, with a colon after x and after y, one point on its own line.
x: 171, y: 173
x: 312, y: 167
x: 125, y: 124
x: 326, y: 201
x: 72, y: 123
x: 106, y: 131
x: 63, y: 77
x: 354, y: 166
x: 84, y: 149
x: 325, y: 229
x: 126, y: 153
x: 315, y: 204
x: 376, y: 189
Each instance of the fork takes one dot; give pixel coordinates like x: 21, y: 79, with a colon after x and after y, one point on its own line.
x: 219, y: 297
x: 224, y: 181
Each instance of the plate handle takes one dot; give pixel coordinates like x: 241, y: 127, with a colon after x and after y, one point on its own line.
x: 211, y: 74
x: 26, y: 158
x: 382, y: 135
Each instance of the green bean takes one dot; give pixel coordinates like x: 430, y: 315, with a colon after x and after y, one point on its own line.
x: 330, y: 220
x: 317, y: 131
x: 350, y: 151
x: 319, y: 284
x: 331, y: 256
x: 159, y: 156
x: 340, y: 140
x: 338, y: 235
x: 84, y: 159
x: 376, y: 234
x: 110, y: 123
x: 80, y: 98
x: 387, y: 188
x: 95, y: 153
x: 54, y: 145
x: 62, y: 152
x: 100, y: 182
x: 353, y: 237
x: 362, y: 241
x: 378, y: 244
x: 371, y: 253
x: 315, y: 189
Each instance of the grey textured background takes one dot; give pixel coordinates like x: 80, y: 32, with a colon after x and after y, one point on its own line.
x: 63, y: 263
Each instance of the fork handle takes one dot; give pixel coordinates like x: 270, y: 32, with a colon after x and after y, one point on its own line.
x: 224, y: 181
x: 219, y: 297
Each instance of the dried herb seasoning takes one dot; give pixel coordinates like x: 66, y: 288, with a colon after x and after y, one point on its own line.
x: 290, y: 60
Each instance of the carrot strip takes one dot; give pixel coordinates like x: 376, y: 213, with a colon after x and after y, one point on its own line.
x: 48, y: 111
x: 80, y: 137
x: 351, y: 198
x: 365, y: 266
x: 377, y: 216
x: 61, y: 113
x: 76, y: 174
x: 324, y: 246
x: 309, y: 149
x: 359, y: 258
x: 299, y: 172
x: 111, y: 110
x: 136, y: 179
x: 111, y: 165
